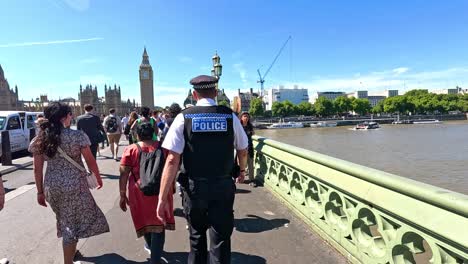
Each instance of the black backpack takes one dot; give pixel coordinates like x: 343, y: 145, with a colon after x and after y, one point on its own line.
x: 151, y: 168
x: 111, y: 125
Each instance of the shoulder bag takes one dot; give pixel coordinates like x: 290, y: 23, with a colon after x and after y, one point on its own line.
x: 90, y: 177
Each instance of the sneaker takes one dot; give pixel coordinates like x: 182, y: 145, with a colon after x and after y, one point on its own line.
x: 76, y: 262
x: 4, y: 261
x: 147, y: 249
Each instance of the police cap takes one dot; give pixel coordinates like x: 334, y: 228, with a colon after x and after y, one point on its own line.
x: 204, y: 82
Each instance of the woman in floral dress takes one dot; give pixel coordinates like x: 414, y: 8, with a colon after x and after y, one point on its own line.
x: 64, y: 186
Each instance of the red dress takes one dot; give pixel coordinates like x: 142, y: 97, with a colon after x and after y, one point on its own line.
x: 143, y: 208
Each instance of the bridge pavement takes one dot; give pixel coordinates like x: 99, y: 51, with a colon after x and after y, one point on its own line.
x: 265, y: 230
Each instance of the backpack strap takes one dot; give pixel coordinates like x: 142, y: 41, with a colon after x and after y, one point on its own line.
x: 140, y: 151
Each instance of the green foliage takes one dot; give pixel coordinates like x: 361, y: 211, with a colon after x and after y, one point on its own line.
x: 224, y: 102
x: 342, y: 105
x: 305, y: 108
x: 422, y: 102
x: 361, y: 106
x: 282, y: 109
x: 277, y: 109
x: 256, y: 107
x: 323, y: 106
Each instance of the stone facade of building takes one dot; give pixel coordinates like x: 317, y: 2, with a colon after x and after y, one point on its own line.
x: 146, y: 82
x: 8, y: 97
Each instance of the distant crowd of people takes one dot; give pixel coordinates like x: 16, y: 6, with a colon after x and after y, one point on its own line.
x: 205, y: 148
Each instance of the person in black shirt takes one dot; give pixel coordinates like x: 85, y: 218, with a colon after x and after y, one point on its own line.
x: 249, y: 131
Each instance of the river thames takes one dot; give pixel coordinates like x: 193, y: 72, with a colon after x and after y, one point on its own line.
x: 433, y: 153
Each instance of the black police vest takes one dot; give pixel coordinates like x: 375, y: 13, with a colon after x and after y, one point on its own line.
x: 209, y: 142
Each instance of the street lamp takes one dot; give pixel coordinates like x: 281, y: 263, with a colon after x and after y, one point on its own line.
x: 217, y: 69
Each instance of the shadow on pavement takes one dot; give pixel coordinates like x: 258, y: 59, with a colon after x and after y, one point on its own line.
x: 236, y: 258
x: 110, y: 176
x: 257, y: 224
x: 241, y: 191
x: 111, y: 258
x: 179, y: 212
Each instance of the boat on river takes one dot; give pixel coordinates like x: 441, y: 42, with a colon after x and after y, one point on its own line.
x: 426, y: 121
x: 367, y: 126
x: 285, y: 125
x: 323, y: 124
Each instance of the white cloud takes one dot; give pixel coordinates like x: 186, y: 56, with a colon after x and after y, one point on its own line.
x: 239, y: 67
x: 53, y: 42
x: 78, y: 5
x: 400, y: 70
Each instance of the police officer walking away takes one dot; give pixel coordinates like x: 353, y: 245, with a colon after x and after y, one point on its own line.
x: 205, y: 136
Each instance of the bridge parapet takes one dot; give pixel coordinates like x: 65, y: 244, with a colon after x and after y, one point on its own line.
x: 369, y: 215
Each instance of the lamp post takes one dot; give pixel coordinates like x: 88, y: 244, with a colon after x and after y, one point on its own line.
x: 217, y: 70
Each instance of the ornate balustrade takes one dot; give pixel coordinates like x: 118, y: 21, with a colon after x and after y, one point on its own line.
x: 369, y: 215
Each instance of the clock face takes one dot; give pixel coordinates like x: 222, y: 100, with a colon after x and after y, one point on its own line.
x: 145, y: 75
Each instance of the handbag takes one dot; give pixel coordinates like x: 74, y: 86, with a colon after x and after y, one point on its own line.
x: 90, y: 177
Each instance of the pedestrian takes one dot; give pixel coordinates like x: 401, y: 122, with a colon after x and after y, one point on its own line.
x: 2, y: 203
x: 127, y: 131
x: 143, y: 208
x: 2, y: 193
x: 205, y: 136
x: 124, y: 121
x: 113, y: 129
x: 146, y: 117
x: 104, y: 136
x: 91, y: 125
x: 65, y: 187
x: 173, y: 111
x: 249, y: 131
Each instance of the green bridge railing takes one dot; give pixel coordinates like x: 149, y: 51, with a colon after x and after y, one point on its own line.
x: 370, y: 216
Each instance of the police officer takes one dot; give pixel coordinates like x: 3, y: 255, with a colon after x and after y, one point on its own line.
x: 205, y: 136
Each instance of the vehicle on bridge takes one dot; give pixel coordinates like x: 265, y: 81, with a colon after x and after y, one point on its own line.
x: 20, y: 126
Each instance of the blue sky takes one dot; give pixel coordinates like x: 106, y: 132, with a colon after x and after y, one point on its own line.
x: 51, y: 46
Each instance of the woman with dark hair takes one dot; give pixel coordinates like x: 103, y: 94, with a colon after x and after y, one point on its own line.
x: 143, y: 208
x: 127, y: 131
x: 145, y: 117
x: 65, y: 187
x: 248, y: 128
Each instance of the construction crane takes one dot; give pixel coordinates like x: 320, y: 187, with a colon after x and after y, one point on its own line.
x: 262, y: 78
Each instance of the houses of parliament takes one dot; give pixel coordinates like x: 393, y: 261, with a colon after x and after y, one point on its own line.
x: 88, y: 94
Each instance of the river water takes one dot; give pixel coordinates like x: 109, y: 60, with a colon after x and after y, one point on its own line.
x: 432, y: 153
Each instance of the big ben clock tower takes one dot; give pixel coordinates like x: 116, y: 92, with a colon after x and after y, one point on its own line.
x: 146, y: 82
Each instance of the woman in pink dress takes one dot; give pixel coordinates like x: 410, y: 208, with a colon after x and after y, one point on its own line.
x: 143, y: 208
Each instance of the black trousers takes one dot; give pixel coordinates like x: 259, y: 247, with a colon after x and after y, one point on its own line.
x: 210, y: 208
x: 94, y: 148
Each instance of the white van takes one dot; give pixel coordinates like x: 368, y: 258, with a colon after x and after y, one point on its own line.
x: 20, y: 126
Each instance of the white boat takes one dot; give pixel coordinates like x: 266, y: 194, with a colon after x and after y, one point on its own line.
x: 323, y: 124
x: 427, y: 121
x: 367, y: 125
x: 286, y: 125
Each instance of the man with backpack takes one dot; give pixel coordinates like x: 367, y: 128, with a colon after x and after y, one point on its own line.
x: 112, y: 125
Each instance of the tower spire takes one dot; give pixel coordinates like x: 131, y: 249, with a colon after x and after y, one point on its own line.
x: 145, y: 60
x: 2, y: 74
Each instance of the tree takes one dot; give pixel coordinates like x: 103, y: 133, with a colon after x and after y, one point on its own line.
x: 323, y: 106
x: 361, y: 106
x: 277, y: 109
x: 224, y: 102
x: 342, y: 105
x: 378, y: 108
x: 256, y: 107
x: 305, y: 108
x: 289, y: 108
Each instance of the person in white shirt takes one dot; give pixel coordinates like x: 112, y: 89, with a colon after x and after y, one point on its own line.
x: 124, y: 121
x: 206, y: 136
